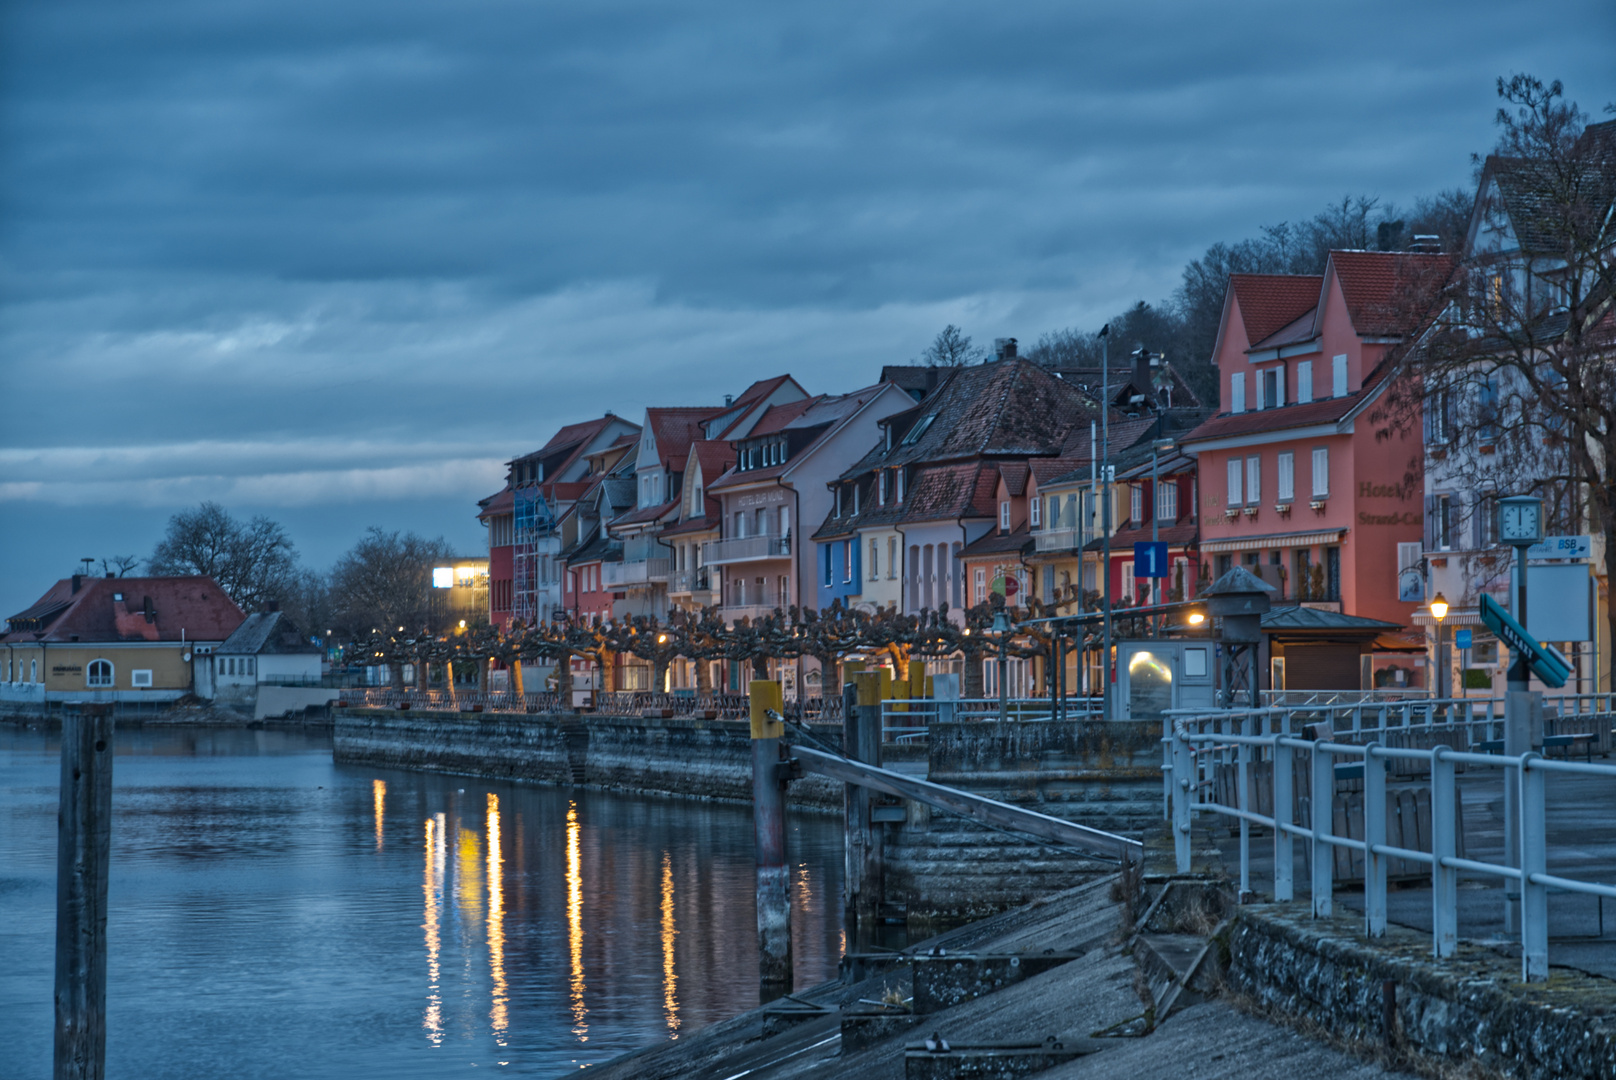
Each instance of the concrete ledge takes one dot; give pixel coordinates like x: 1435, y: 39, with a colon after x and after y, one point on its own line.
x: 1472, y: 1007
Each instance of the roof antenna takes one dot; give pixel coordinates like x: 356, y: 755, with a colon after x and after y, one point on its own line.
x: 88, y: 562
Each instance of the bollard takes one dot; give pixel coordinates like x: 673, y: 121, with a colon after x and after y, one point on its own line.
x: 83, y: 847
x: 769, y: 823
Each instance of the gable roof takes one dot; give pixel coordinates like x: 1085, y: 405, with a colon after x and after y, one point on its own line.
x: 1270, y: 302
x: 1387, y: 292
x: 267, y: 632
x: 183, y: 608
x: 1014, y: 474
x: 828, y: 413
x: 674, y: 430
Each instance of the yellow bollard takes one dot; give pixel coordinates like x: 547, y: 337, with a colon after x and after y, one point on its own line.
x: 917, y: 679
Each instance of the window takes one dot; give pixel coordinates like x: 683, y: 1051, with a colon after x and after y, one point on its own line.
x: 1136, y: 503
x: 1127, y: 580
x: 252, y: 665
x: 1271, y: 388
x: 1332, y: 573
x: 1304, y: 381
x: 140, y: 677
x: 1321, y: 472
x: 847, y: 561
x: 980, y: 587
x: 1253, y: 480
x: 1487, y: 409
x: 99, y: 673
x: 1443, y: 524
x: 838, y: 500
x: 740, y: 524
x: 1235, y: 497
x: 881, y: 484
x: 892, y: 558
x: 918, y: 430
x: 1035, y: 508
x: 830, y: 578
x: 785, y: 521
x: 1237, y: 392
x: 762, y: 521
x: 1338, y: 375
x: 900, y: 483
x: 855, y: 498
x: 1004, y: 516
x: 875, y: 561
x: 1167, y: 501
x: 1285, y: 479
x: 1439, y: 417
x: 783, y: 591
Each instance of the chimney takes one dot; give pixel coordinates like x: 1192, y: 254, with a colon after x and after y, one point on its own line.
x: 78, y: 582
x: 271, y: 606
x: 1005, y: 348
x: 729, y: 399
x: 149, y: 611
x: 1143, y: 362
x: 111, y: 574
x: 1426, y: 242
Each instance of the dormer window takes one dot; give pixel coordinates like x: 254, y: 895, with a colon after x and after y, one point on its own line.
x: 881, y: 486
x: 889, y: 436
x: 838, y: 500
x: 918, y: 430
x: 900, y: 483
x: 1034, y: 508
x: 1004, y: 516
x: 855, y: 498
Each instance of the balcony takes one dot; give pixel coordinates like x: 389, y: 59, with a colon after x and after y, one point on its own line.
x: 689, y: 581
x: 639, y: 573
x: 1058, y: 540
x: 731, y: 612
x: 746, y: 549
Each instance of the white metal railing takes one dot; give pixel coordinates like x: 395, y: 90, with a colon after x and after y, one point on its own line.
x: 638, y: 572
x: 1198, y: 744
x: 744, y: 549
x: 909, y: 719
x: 1061, y: 539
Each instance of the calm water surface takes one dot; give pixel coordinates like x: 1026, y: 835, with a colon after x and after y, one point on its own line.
x: 275, y: 915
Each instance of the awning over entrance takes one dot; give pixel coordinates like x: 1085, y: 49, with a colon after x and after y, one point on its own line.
x: 1275, y: 540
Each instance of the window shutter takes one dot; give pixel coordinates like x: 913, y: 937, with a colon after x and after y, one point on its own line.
x: 1237, y: 392
x: 1304, y: 381
x: 1234, y: 482
x: 1430, y: 523
x: 1321, y: 471
x: 1338, y: 375
x: 1253, y: 479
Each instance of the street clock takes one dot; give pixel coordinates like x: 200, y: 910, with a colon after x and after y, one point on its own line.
x: 1520, y: 520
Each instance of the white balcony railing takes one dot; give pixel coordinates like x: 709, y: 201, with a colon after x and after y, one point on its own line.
x: 639, y: 572
x: 1061, y: 539
x: 718, y: 552
x: 689, y: 581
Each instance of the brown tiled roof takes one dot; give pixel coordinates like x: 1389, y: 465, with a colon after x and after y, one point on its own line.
x: 1388, y: 293
x: 997, y: 543
x: 1179, y: 534
x: 758, y: 391
x: 1328, y: 410
x: 778, y: 417
x: 646, y: 513
x: 714, y: 456
x: 1269, y: 302
x: 183, y: 608
x: 674, y: 431
x: 1047, y: 469
x: 1125, y: 435
x: 1014, y: 475
x: 497, y: 504
x: 712, y: 519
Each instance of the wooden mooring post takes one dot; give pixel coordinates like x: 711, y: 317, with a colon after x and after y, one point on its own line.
x: 83, y: 850
x: 861, y: 741
x: 769, y: 822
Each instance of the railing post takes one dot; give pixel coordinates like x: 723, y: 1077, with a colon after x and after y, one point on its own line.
x: 1167, y: 767
x: 1183, y: 796
x: 1243, y: 801
x: 1444, y: 845
x: 1534, y: 895
x: 1284, y: 814
x: 1323, y: 803
x: 1374, y: 803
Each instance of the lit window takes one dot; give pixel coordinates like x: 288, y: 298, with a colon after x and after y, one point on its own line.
x: 99, y: 673
x: 443, y: 577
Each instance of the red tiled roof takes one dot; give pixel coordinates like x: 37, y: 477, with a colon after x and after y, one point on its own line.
x: 1014, y: 474
x: 188, y: 608
x: 709, y: 520
x: 674, y: 431
x: 1389, y: 292
x: 1270, y: 302
x: 757, y: 391
x: 777, y: 417
x: 1286, y: 416
x: 1176, y: 535
x: 714, y: 456
x: 1047, y: 469
x: 996, y: 543
x: 497, y: 504
x: 646, y: 513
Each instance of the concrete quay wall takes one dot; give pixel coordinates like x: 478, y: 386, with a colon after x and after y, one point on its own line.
x: 1472, y: 1008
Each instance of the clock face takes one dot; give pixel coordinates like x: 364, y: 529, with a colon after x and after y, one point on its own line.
x: 1519, y: 521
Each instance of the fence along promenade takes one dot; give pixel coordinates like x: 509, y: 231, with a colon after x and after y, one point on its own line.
x: 1437, y: 738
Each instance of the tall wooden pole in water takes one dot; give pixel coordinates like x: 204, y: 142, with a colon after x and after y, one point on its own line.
x: 861, y: 741
x: 769, y: 820
x: 84, y: 836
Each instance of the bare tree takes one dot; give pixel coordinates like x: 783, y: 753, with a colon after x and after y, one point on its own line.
x: 385, y: 582
x: 250, y: 560
x: 119, y: 565
x: 951, y: 348
x: 1514, y: 380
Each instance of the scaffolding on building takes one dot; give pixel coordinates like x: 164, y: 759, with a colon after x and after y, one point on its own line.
x: 533, y: 528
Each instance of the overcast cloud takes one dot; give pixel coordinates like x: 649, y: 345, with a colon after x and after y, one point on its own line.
x: 336, y: 261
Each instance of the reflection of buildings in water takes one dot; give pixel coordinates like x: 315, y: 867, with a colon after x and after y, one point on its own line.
x: 498, y: 1013
x: 670, y: 1001
x: 432, y: 889
x: 378, y: 794
x: 575, y: 924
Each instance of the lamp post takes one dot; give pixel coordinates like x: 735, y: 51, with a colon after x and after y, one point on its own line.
x: 1001, y: 627
x: 1105, y: 515
x: 1439, y: 611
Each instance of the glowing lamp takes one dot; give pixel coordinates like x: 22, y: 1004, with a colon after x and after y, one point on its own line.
x: 1197, y: 618
x: 1439, y: 607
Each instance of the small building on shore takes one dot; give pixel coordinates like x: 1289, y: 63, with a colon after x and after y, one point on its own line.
x: 267, y: 648
x: 113, y: 639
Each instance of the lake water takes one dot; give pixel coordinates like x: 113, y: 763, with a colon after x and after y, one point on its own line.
x: 275, y: 915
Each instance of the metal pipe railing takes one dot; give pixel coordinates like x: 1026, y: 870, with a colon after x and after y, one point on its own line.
x: 1198, y: 744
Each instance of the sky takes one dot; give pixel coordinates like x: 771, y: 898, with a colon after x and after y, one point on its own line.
x: 336, y: 261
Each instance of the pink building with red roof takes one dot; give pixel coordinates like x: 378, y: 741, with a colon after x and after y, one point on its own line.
x: 1294, y: 484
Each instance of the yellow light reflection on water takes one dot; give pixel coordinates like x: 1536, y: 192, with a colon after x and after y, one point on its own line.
x: 468, y: 878
x: 498, y: 1012
x: 575, y: 924
x: 670, y: 980
x: 432, y: 889
x: 378, y: 793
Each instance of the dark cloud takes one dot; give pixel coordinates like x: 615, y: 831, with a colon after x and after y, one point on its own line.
x: 348, y: 226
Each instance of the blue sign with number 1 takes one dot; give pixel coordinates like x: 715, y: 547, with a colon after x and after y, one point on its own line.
x: 1150, y: 559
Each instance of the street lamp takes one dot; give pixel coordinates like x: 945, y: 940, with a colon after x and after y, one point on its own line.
x: 1001, y: 627
x: 1439, y: 611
